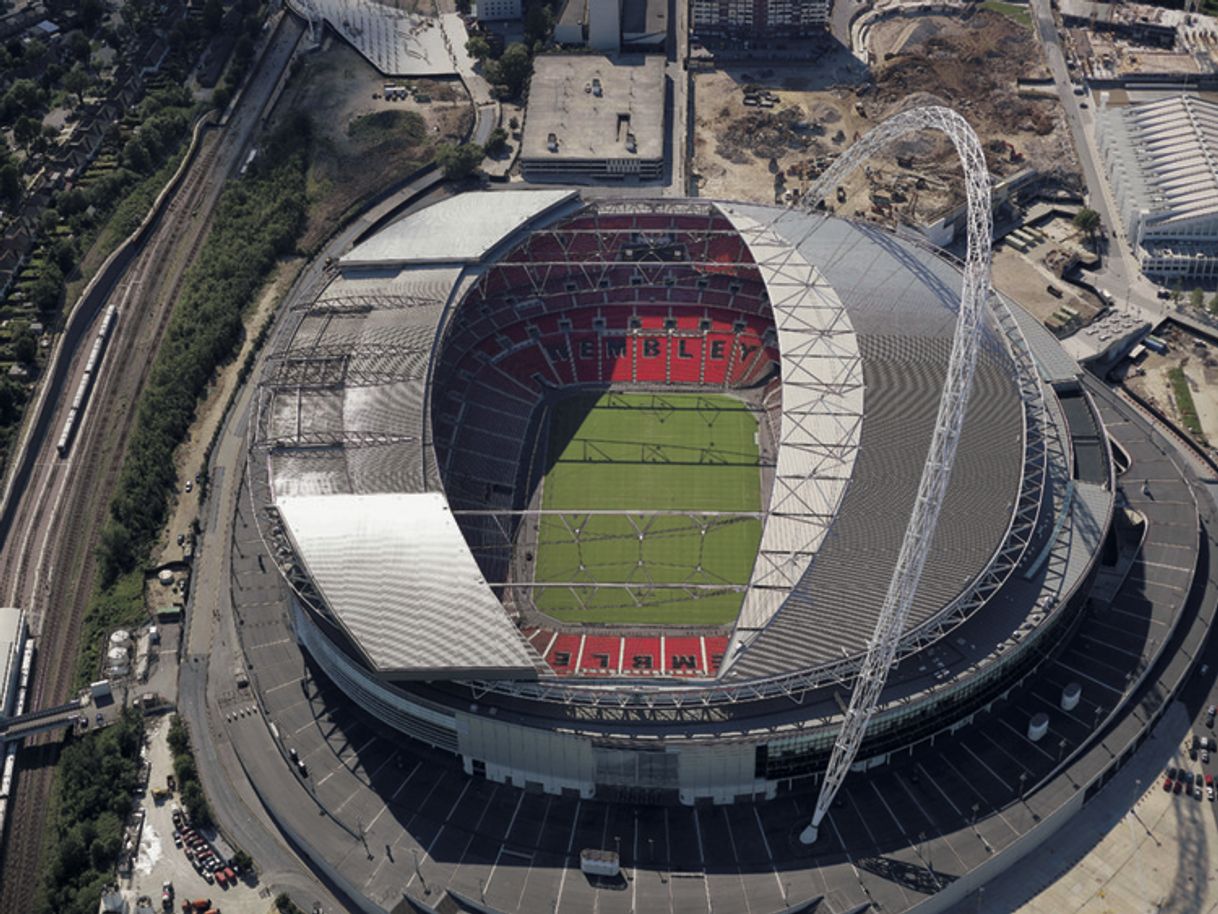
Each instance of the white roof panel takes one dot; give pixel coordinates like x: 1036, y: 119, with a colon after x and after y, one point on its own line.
x: 398, y: 575
x: 460, y: 229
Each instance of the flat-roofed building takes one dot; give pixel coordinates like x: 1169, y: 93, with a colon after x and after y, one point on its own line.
x: 758, y: 19
x: 12, y: 643
x: 1162, y: 163
x: 493, y: 10
x: 594, y: 117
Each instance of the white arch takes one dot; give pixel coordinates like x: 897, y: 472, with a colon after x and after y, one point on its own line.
x: 881, y: 649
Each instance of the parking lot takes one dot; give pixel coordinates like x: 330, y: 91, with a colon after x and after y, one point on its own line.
x: 160, y: 861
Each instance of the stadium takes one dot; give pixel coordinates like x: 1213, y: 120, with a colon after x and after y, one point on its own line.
x: 604, y: 497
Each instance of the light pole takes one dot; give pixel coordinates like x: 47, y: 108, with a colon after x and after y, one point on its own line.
x: 418, y: 872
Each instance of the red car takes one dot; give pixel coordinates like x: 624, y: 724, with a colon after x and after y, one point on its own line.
x: 1167, y: 782
x: 1209, y: 780
x: 1179, y: 787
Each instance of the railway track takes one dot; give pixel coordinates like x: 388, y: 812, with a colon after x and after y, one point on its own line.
x: 48, y: 564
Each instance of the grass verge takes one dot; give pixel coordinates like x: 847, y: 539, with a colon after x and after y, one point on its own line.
x: 1011, y: 10
x: 1184, y: 403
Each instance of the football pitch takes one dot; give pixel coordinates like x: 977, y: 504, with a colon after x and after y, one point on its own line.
x: 639, y: 455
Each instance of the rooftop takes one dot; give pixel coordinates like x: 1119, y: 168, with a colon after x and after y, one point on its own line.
x: 595, y: 107
x: 11, y: 630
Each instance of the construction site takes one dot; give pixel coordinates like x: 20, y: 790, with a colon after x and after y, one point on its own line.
x: 765, y: 134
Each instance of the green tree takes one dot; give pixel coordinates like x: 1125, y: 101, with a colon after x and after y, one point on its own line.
x: 22, y: 98
x: 242, y: 860
x: 478, y: 48
x: 35, y: 50
x: 79, y: 47
x: 1087, y: 220
x: 538, y: 23
x: 76, y: 81
x: 458, y: 161
x: 213, y: 16
x: 1196, y: 298
x: 497, y: 143
x: 11, y: 187
x: 26, y: 348
x: 515, y: 67
x: 26, y: 131
x: 1214, y: 304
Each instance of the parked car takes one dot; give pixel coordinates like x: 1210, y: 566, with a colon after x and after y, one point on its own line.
x: 1205, y: 756
x: 1197, y: 791
x: 1167, y: 784
x: 1179, y: 786
x: 1171, y: 772
x: 1209, y: 792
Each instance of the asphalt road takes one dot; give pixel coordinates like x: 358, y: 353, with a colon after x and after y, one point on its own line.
x: 1119, y: 273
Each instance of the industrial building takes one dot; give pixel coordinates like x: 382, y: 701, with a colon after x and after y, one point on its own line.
x: 594, y: 117
x: 1161, y: 158
x: 757, y: 19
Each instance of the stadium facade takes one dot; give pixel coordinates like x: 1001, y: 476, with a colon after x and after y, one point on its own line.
x: 394, y: 453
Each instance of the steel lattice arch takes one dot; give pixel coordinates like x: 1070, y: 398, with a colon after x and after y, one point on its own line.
x: 917, y: 558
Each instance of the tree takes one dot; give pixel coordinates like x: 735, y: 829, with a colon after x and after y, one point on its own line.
x: 458, y: 161
x: 514, y: 123
x: 1088, y: 221
x: 26, y: 348
x: 497, y: 142
x: 79, y: 47
x: 538, y: 22
x: 22, y: 98
x: 11, y: 188
x: 242, y: 860
x: 76, y: 81
x: 1214, y: 304
x: 1196, y: 298
x: 63, y: 251
x: 35, y: 50
x: 91, y: 13
x: 26, y: 131
x: 213, y: 16
x: 46, y: 289
x: 515, y: 67
x: 478, y: 48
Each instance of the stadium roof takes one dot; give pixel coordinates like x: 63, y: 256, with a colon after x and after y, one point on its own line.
x: 460, y: 229
x: 345, y: 410
x: 822, y: 412
x: 395, y: 571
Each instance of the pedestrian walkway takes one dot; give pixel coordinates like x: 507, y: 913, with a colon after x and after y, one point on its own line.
x: 1118, y: 856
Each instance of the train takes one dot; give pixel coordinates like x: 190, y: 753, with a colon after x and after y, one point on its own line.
x: 85, y: 387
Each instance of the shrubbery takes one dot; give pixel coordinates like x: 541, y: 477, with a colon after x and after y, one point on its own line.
x: 95, y: 792
x: 187, y: 773
x: 257, y: 220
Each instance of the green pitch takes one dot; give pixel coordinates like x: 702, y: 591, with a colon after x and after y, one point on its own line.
x: 633, y: 453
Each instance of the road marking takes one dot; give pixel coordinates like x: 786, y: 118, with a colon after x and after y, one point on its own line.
x: 570, y: 843
x: 440, y: 830
x: 900, y: 824
x: 942, y: 792
x: 702, y: 859
x: 731, y: 837
x: 769, y: 853
x: 983, y: 764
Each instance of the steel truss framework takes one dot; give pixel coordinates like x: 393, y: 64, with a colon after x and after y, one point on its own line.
x: 919, y: 534
x: 680, y: 701
x: 656, y: 696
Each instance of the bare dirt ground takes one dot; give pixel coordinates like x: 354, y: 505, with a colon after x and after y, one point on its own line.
x: 970, y: 63
x: 1023, y: 278
x: 1200, y: 363
x: 361, y: 142
x: 189, y: 456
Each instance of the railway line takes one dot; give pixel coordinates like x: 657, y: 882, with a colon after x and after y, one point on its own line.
x: 47, y: 564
